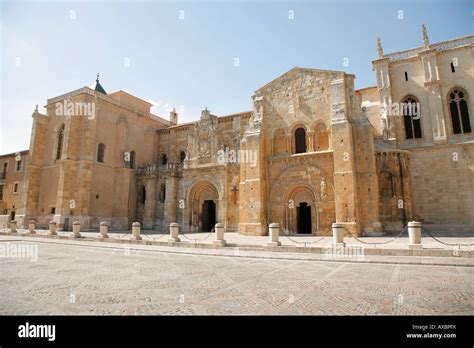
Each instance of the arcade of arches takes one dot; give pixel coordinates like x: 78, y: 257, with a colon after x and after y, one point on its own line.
x: 313, y: 150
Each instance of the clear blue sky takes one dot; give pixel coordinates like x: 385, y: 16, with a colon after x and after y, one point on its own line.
x: 189, y: 63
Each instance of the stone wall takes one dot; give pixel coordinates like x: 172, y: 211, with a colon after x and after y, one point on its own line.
x: 442, y: 189
x: 395, y: 191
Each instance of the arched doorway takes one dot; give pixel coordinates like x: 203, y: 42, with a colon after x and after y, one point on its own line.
x: 288, y: 191
x: 302, y: 216
x: 207, y: 217
x: 203, y: 202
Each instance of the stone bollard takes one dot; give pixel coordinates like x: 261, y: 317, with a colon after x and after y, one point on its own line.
x: 104, y: 228
x: 13, y: 226
x: 52, y: 228
x: 174, y: 231
x: 31, y: 227
x: 414, y: 235
x: 219, y: 235
x: 274, y: 233
x: 337, y: 234
x: 136, y: 231
x: 76, y: 229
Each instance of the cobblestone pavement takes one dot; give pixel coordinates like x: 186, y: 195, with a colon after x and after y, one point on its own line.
x: 79, y: 279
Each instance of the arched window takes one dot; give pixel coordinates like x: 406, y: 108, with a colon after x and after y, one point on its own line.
x: 142, y: 195
x: 164, y: 159
x: 300, y: 140
x: 322, y: 137
x: 59, y: 148
x: 411, y: 117
x: 386, y: 185
x: 182, y: 156
x: 162, y: 193
x: 132, y: 159
x: 100, y: 153
x: 459, y: 111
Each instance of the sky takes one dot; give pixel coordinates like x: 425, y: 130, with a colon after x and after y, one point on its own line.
x: 196, y: 54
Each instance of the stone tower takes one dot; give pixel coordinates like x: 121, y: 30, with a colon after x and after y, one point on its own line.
x: 252, y: 219
x: 355, y: 178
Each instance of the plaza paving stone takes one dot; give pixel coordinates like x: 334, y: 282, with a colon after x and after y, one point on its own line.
x: 94, y: 278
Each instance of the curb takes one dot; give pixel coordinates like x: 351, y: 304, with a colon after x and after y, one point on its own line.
x: 456, y: 253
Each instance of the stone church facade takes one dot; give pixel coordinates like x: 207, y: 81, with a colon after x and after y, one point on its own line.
x: 312, y: 151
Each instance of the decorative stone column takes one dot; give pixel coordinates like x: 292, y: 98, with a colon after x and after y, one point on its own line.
x: 174, y: 232
x: 31, y: 227
x: 171, y: 203
x: 274, y: 233
x: 13, y: 226
x: 219, y: 235
x: 414, y: 235
x: 149, y: 216
x: 52, y: 228
x: 136, y: 231
x: 338, y: 234
x: 76, y: 229
x: 310, y: 137
x: 104, y: 228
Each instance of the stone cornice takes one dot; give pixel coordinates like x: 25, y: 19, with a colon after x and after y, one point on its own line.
x: 437, y: 47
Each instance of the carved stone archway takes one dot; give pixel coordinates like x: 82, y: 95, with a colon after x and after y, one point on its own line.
x: 299, y: 197
x: 204, y: 206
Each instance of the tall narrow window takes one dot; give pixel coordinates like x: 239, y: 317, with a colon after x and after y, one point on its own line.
x: 162, y: 193
x: 59, y: 149
x: 453, y: 70
x: 142, y: 195
x: 100, y: 153
x: 132, y: 159
x: 182, y: 156
x: 18, y: 166
x: 300, y: 140
x: 164, y: 159
x: 411, y: 117
x: 406, y: 76
x: 459, y: 111
x: 1, y: 192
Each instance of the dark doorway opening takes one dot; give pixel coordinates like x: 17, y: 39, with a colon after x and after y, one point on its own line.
x: 66, y: 225
x: 12, y: 215
x: 208, y: 216
x: 303, y: 218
